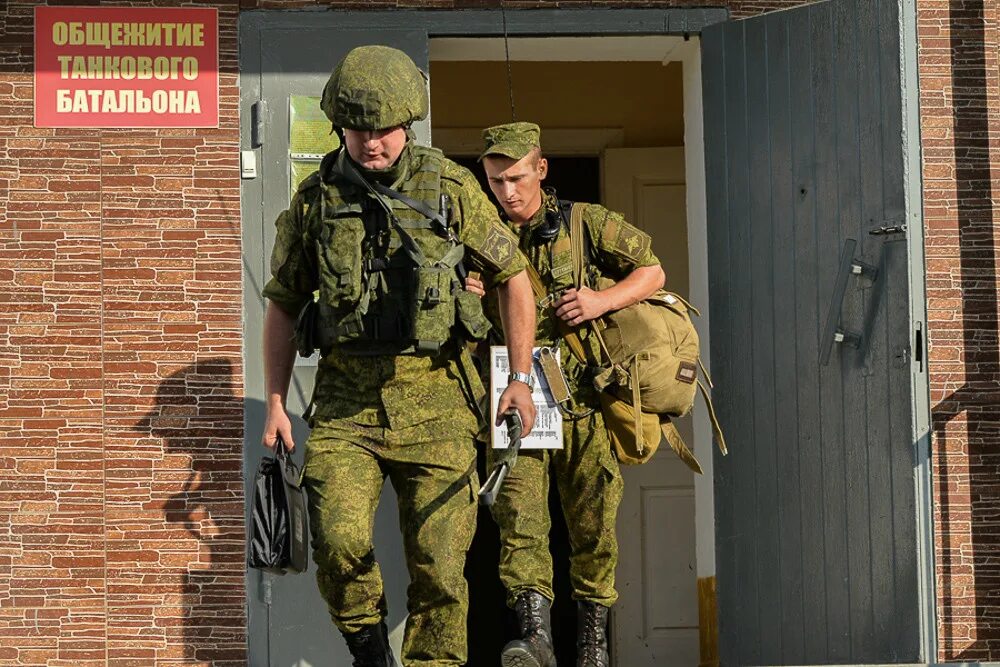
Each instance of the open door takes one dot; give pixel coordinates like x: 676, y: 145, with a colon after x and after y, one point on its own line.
x: 818, y: 551
x: 283, y: 71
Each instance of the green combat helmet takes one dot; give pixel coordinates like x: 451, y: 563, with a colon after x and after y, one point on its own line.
x: 375, y: 87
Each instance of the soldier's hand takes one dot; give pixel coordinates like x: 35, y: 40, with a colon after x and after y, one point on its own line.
x: 475, y: 286
x: 580, y: 305
x: 278, y: 423
x: 517, y: 395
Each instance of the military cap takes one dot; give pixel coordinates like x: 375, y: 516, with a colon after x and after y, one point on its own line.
x: 513, y: 140
x: 373, y: 88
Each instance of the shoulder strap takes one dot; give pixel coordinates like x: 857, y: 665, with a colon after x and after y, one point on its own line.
x: 578, y: 241
x: 576, y: 238
x: 572, y: 340
x: 571, y: 337
x: 536, y: 283
x: 409, y: 245
x: 418, y: 206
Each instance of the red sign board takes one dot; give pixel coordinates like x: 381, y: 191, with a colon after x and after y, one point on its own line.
x: 126, y: 67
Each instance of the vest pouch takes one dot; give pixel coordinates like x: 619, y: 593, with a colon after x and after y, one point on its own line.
x: 332, y: 328
x: 471, y: 315
x: 339, y: 252
x: 433, y: 307
x: 306, y: 329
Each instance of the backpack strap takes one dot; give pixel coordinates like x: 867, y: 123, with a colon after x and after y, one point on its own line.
x: 570, y: 336
x: 720, y: 439
x: 578, y: 241
x: 680, y: 447
x: 578, y: 244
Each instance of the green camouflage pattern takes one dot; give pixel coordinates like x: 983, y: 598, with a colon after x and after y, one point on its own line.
x: 405, y: 386
x: 373, y: 88
x: 589, y: 482
x: 406, y: 415
x: 611, y: 240
x: 585, y: 471
x: 431, y: 466
x: 513, y: 140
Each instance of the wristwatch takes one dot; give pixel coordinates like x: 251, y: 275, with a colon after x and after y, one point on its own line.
x: 522, y: 377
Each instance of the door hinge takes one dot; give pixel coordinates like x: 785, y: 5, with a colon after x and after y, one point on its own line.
x: 258, y: 120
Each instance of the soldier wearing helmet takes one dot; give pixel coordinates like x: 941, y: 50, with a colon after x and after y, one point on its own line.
x: 383, y: 232
x: 622, y: 270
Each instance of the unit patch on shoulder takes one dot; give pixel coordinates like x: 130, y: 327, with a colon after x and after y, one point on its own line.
x: 631, y: 242
x: 498, y: 248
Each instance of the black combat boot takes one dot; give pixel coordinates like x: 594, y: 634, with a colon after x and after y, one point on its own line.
x: 534, y: 648
x: 591, y: 635
x: 370, y: 646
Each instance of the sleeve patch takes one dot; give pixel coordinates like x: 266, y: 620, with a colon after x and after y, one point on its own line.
x: 631, y: 242
x: 498, y: 248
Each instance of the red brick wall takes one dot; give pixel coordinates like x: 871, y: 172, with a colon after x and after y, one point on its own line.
x: 121, y: 495
x: 960, y: 118
x: 121, y: 531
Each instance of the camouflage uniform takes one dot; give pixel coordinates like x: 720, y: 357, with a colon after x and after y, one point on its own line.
x: 405, y: 416
x: 585, y: 471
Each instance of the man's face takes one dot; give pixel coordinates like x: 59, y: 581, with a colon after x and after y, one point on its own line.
x: 517, y: 184
x: 376, y: 149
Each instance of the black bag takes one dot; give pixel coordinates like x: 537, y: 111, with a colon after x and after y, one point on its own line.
x: 278, y: 535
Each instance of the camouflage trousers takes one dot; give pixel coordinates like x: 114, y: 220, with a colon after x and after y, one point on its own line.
x: 589, y: 483
x: 431, y: 466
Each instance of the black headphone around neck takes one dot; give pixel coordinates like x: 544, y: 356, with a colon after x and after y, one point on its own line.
x: 549, y: 229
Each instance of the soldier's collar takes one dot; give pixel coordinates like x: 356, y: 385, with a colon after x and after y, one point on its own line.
x: 390, y: 176
x: 539, y: 216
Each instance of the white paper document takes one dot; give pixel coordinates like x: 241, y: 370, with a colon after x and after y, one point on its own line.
x: 547, y: 433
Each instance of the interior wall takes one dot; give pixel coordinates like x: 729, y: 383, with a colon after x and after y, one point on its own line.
x: 643, y: 98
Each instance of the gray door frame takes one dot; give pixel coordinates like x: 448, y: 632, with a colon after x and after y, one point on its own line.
x: 585, y: 22
x: 920, y: 382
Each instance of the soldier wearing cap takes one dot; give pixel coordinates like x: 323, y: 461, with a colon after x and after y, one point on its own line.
x: 622, y: 270
x: 383, y: 232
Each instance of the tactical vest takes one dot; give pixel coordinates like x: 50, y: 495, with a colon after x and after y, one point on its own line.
x: 387, y: 280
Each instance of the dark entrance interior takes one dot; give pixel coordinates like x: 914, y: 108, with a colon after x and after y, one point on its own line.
x: 491, y: 624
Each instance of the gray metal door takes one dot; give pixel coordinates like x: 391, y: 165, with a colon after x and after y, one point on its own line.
x: 813, y: 337
x: 288, y: 620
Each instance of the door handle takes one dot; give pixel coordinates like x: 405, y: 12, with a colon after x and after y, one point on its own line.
x: 834, y: 332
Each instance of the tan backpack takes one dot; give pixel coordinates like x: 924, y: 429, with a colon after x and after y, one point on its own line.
x: 649, y: 365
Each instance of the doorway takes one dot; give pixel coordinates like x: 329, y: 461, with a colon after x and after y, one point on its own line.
x: 624, y: 149
x: 791, y: 100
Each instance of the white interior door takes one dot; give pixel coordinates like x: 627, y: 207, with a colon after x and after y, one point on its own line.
x: 656, y: 619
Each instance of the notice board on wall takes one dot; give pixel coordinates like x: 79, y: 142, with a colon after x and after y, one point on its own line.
x: 123, y: 67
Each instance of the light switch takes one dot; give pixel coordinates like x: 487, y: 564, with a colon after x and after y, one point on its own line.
x: 248, y: 164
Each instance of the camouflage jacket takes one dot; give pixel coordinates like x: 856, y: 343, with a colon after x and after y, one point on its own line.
x: 615, y: 250
x: 404, y: 389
